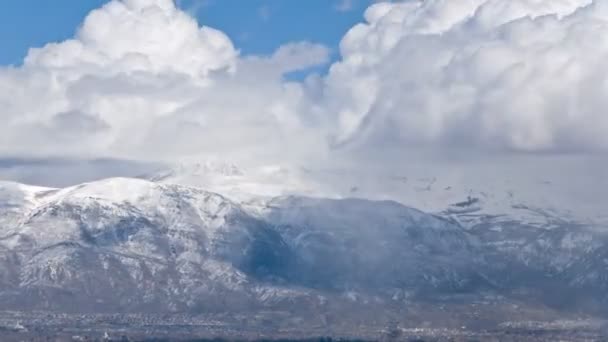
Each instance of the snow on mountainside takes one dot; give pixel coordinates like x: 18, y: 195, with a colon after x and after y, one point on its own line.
x: 351, y: 239
x: 144, y: 243
x: 124, y: 244
x: 131, y: 244
x: 526, y: 229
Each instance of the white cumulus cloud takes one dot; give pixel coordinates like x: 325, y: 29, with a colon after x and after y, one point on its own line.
x: 510, y: 74
x: 143, y: 80
x: 140, y: 35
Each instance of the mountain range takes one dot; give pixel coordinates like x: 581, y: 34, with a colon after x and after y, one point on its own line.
x: 215, y: 246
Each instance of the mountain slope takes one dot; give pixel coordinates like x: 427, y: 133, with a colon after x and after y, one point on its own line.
x: 375, y: 245
x: 129, y: 244
x: 134, y: 243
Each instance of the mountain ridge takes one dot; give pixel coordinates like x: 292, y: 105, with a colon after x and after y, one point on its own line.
x: 131, y: 245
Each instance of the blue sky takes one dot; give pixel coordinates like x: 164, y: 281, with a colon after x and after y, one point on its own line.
x: 255, y: 26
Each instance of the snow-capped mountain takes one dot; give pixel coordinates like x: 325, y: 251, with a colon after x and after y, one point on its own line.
x: 124, y: 244
x: 129, y: 240
x: 131, y: 244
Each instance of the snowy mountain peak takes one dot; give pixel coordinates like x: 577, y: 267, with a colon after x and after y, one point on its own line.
x: 236, y: 182
x: 193, y: 168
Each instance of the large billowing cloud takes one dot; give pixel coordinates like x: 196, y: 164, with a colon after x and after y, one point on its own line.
x: 142, y: 79
x: 139, y: 35
x: 509, y: 74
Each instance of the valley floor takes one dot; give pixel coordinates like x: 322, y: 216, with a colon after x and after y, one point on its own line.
x: 43, y: 326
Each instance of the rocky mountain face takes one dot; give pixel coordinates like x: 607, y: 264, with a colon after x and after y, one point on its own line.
x: 132, y: 245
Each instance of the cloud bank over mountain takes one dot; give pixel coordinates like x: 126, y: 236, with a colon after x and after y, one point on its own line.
x: 142, y: 79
